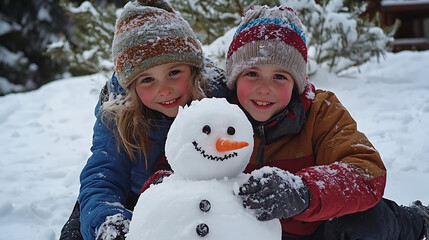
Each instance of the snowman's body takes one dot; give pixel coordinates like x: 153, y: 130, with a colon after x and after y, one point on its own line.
x: 182, y: 209
x: 199, y: 200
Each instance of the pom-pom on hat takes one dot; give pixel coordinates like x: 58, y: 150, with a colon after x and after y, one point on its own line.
x: 271, y: 36
x: 150, y: 33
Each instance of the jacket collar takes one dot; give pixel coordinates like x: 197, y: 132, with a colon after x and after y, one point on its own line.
x: 288, y: 121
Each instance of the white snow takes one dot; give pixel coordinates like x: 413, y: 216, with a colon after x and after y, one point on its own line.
x: 45, y: 136
x: 43, y: 14
x: 11, y: 58
x: 7, y: 87
x: 84, y: 7
x: 6, y: 27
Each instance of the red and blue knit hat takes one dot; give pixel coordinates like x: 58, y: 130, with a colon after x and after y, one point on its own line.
x: 269, y: 35
x: 149, y: 33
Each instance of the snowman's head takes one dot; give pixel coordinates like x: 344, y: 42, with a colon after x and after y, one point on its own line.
x: 209, y: 139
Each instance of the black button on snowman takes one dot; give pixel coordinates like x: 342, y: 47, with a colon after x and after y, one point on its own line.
x: 205, y: 205
x: 208, y: 147
x: 202, y: 228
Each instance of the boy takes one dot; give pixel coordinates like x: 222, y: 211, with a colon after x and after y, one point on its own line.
x: 325, y: 169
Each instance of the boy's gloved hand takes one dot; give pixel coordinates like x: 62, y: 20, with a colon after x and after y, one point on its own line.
x: 114, y: 228
x: 275, y: 194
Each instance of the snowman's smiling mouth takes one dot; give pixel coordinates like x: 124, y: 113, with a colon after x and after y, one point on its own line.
x: 211, y: 157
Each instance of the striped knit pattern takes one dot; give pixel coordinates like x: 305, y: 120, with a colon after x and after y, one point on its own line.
x: 150, y: 35
x: 269, y: 36
x: 275, y: 21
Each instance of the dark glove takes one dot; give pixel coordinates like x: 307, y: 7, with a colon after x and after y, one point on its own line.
x: 275, y: 194
x: 114, y: 228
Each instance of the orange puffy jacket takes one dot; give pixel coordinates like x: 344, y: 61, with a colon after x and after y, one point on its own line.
x: 342, y: 169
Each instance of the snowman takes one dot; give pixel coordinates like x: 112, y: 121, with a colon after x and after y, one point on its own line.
x: 208, y: 147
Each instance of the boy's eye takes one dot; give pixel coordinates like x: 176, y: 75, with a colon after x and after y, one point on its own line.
x: 279, y: 76
x: 174, y: 72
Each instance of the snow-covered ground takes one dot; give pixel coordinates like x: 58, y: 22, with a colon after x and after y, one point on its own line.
x: 45, y: 136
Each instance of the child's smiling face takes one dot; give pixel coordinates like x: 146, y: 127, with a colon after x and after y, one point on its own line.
x: 165, y: 87
x: 264, y: 90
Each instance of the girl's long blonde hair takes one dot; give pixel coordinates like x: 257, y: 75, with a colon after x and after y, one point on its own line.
x: 133, y: 118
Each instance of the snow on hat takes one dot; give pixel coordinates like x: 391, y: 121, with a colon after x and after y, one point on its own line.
x: 149, y: 33
x: 271, y: 36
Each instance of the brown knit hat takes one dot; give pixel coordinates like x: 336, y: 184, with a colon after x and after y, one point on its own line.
x: 269, y: 35
x: 148, y: 34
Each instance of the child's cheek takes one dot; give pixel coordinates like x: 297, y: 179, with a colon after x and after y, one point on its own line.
x: 284, y: 96
x: 184, y: 86
x: 242, y: 95
x: 145, y: 96
x: 243, y: 91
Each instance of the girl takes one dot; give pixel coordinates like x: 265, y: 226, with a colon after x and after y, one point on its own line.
x: 320, y: 166
x: 159, y: 66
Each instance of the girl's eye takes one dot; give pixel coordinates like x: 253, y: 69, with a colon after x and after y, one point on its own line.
x: 147, y: 80
x: 174, y: 72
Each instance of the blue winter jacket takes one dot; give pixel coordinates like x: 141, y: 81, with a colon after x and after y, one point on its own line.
x: 109, y: 176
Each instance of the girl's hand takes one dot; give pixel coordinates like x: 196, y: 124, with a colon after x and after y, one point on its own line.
x: 114, y: 228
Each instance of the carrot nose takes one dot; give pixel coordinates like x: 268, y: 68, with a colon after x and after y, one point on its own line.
x: 225, y: 144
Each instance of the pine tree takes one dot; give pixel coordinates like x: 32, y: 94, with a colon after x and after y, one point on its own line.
x: 89, y: 50
x: 339, y: 36
x: 26, y: 27
x: 210, y: 19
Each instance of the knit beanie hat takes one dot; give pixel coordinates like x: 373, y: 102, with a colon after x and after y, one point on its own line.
x: 149, y: 33
x: 271, y: 36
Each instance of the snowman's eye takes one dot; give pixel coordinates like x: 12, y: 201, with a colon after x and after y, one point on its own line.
x: 206, y: 129
x: 231, y: 131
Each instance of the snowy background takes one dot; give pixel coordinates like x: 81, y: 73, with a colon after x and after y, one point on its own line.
x: 45, y: 136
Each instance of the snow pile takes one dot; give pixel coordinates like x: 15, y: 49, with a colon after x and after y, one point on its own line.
x: 45, y: 136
